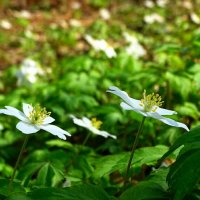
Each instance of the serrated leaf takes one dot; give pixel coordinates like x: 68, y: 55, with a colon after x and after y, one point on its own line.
x: 145, y: 190
x: 184, y: 174
x: 192, y: 136
x: 145, y: 155
x: 79, y: 192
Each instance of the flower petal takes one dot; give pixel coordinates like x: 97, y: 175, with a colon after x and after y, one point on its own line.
x: 27, y: 128
x: 54, y: 130
x: 27, y: 108
x: 48, y: 120
x: 127, y: 107
x: 168, y: 121
x: 162, y: 111
x: 102, y: 133
x: 14, y: 112
x: 123, y: 95
x: 84, y: 122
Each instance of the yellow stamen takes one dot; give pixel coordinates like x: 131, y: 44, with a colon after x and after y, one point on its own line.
x: 151, y: 102
x: 96, y: 123
x: 38, y: 114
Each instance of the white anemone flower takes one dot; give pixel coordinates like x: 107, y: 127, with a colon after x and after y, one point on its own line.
x: 29, y: 71
x: 101, y: 45
x: 92, y: 125
x: 152, y: 18
x: 32, y: 119
x: 104, y: 13
x: 195, y: 18
x: 149, y: 106
x: 134, y: 48
x: 5, y: 24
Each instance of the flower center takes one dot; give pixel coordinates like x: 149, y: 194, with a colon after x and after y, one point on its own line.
x: 151, y: 102
x: 96, y: 123
x: 38, y: 114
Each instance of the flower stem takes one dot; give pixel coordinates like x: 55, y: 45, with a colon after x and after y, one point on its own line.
x: 86, y: 138
x: 133, y: 151
x: 17, y: 163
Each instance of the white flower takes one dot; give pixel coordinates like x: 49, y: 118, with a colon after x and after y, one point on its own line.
x: 32, y: 119
x: 104, y: 13
x: 101, y: 45
x: 148, y: 106
x: 5, y: 24
x: 162, y: 3
x: 92, y: 125
x: 195, y: 18
x: 23, y: 14
x: 75, y: 22
x: 134, y: 48
x: 29, y: 71
x: 154, y: 17
x: 149, y: 4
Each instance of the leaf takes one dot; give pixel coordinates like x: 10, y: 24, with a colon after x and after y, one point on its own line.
x: 4, y: 183
x: 145, y: 155
x: 192, y: 136
x: 18, y: 196
x: 79, y: 192
x: 188, y: 109
x: 145, y: 190
x: 184, y: 174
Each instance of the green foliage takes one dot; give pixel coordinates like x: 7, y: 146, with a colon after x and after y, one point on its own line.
x: 184, y: 173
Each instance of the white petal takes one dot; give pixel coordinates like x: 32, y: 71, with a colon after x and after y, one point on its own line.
x: 54, y: 130
x: 123, y: 95
x: 162, y: 111
x: 27, y: 128
x: 127, y: 107
x: 14, y: 112
x: 81, y: 122
x: 27, y: 108
x: 87, y: 121
x: 48, y: 120
x: 102, y: 133
x: 168, y: 121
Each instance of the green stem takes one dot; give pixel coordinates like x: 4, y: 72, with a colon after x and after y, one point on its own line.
x: 17, y: 163
x: 86, y: 138
x: 133, y: 151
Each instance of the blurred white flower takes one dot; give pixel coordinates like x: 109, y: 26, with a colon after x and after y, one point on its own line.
x: 5, y: 24
x: 75, y: 23
x: 149, y: 106
x: 92, y: 125
x: 135, y: 48
x: 23, y: 14
x: 29, y: 71
x: 161, y: 3
x: 104, y: 13
x: 101, y: 45
x: 75, y: 5
x: 195, y: 18
x: 32, y: 119
x: 152, y: 18
x: 186, y: 4
x: 149, y: 4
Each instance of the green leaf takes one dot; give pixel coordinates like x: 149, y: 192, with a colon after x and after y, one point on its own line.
x: 145, y: 155
x: 18, y: 196
x: 192, y: 136
x: 188, y: 109
x: 145, y: 190
x: 4, y: 183
x: 79, y: 192
x: 184, y: 174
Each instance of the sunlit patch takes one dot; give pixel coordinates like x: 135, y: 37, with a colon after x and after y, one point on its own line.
x: 38, y: 115
x: 151, y: 102
x: 96, y: 123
